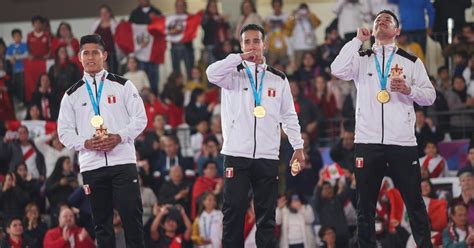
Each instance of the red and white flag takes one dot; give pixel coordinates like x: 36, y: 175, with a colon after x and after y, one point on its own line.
x: 435, y: 165
x: 35, y: 128
x: 135, y: 38
x: 177, y: 28
x: 333, y: 171
x: 111, y: 99
x: 271, y: 92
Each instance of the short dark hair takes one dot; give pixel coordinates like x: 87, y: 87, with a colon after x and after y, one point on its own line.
x: 16, y: 31
x: 277, y: 1
x: 10, y: 221
x: 386, y: 11
x: 37, y: 18
x: 255, y: 27
x: 92, y: 38
x: 442, y: 68
x: 208, y: 162
x: 324, y: 229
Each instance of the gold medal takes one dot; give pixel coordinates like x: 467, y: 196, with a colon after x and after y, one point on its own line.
x: 383, y: 96
x: 259, y: 112
x: 97, y: 121
x: 295, y: 168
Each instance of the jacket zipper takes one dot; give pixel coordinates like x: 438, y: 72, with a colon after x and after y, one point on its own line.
x: 254, y: 117
x: 98, y: 108
x: 383, y: 69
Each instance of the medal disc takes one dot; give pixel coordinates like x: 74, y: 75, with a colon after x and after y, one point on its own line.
x: 383, y: 96
x: 259, y: 112
x: 97, y: 121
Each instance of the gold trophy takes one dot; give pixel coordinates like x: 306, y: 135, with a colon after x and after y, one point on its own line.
x: 98, y: 123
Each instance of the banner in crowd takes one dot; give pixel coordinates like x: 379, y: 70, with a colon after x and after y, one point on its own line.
x: 33, y: 68
x: 135, y: 38
x: 177, y: 28
x: 35, y: 127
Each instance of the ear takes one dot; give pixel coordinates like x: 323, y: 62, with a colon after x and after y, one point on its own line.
x: 79, y: 56
x: 397, y: 32
x: 105, y: 55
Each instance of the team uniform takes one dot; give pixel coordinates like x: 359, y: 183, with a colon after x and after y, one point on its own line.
x: 385, y: 131
x: 252, y: 142
x: 110, y: 178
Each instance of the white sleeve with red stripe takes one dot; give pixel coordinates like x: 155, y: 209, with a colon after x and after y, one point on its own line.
x: 67, y: 126
x: 136, y: 113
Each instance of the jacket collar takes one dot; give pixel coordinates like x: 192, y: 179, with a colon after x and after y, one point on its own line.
x: 251, y: 66
x: 98, y: 76
x: 387, y: 49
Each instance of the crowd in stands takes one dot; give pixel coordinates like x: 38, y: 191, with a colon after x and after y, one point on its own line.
x: 43, y: 203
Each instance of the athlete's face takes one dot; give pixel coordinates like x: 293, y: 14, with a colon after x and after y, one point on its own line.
x: 385, y: 27
x: 92, y: 57
x: 251, y: 40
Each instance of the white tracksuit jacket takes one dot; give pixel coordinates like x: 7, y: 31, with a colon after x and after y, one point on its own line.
x: 245, y: 135
x: 123, y: 112
x: 392, y: 123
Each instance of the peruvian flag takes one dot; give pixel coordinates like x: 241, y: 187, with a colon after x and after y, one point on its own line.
x: 435, y: 165
x: 111, y: 99
x: 33, y: 69
x: 271, y: 92
x: 135, y: 38
x: 333, y: 171
x: 177, y: 28
x: 35, y: 127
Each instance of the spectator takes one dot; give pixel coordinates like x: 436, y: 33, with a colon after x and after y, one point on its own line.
x: 462, y: 42
x: 412, y: 17
x: 327, y: 52
x: 208, y: 182
x: 195, y: 82
x: 295, y: 216
x: 277, y: 31
x: 81, y: 205
x: 170, y: 158
x: 308, y: 71
x: 142, y: 15
x: 433, y: 161
x: 327, y: 234
x: 13, y: 198
x: 349, y: 18
x: 435, y: 208
x: 175, y: 190
x: 39, y: 40
x: 173, y: 96
x: 302, y: 24
x: 33, y: 113
x: 197, y: 139
x: 105, y: 26
x: 458, y: 100
x: 136, y: 76
x: 469, y: 167
x: 466, y: 181
x: 64, y: 37
x: 460, y: 62
x: 459, y: 233
x: 64, y: 73
x: 7, y: 111
x: 445, y: 9
x: 52, y: 149
x: 468, y: 75
x: 67, y: 234
x: 210, y: 151
x: 440, y: 105
x: 17, y: 52
x: 33, y: 158
x: 198, y: 110
x: 343, y: 151
x: 248, y: 15
x: 410, y: 46
x: 309, y: 115
x: 309, y: 175
x: 47, y: 98
x: 330, y: 207
x: 425, y: 131
x: 443, y: 82
x: 207, y: 228
x: 60, y: 185
x: 35, y: 228
x: 323, y: 98
x: 390, y: 238
x: 164, y: 230
x: 153, y: 107
x: 15, y: 236
x: 216, y: 129
x: 31, y: 186
x: 215, y: 27
x: 148, y: 200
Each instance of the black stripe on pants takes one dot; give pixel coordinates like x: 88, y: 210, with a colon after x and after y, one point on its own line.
x: 260, y: 175
x: 401, y: 164
x: 116, y: 186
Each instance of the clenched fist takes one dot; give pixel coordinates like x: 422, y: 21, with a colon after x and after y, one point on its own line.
x: 363, y: 34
